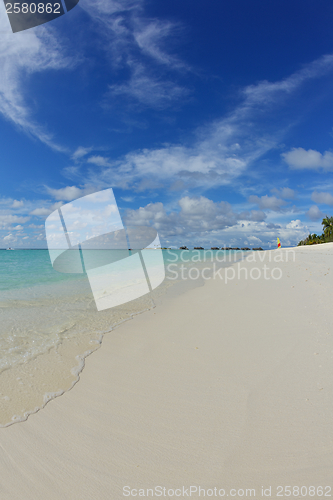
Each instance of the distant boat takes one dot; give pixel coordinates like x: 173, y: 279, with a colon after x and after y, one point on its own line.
x: 9, y: 248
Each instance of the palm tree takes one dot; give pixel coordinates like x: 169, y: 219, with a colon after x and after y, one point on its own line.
x: 327, y: 223
x: 312, y: 239
x: 326, y: 236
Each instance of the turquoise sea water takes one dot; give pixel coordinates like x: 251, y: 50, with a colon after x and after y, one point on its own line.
x: 26, y: 268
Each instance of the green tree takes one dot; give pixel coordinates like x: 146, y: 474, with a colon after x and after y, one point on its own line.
x: 327, y: 223
x: 325, y: 237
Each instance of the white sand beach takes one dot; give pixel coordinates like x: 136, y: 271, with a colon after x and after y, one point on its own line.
x: 226, y: 385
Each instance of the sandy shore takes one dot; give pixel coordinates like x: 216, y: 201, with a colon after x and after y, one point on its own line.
x: 227, y: 386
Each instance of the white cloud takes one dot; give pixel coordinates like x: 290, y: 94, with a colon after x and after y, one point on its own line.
x: 196, y: 215
x: 254, y: 215
x: 128, y: 199
x: 56, y: 205
x: 44, y: 211
x: 324, y: 198
x: 41, y: 212
x: 72, y: 172
x: 18, y: 228
x: 101, y: 8
x: 149, y: 90
x: 153, y: 37
x: 314, y: 213
x: 295, y: 224
x: 285, y: 193
x: 220, y: 152
x: 267, y: 93
x: 254, y: 240
x: 268, y: 202
x: 10, y: 238
x: 148, y: 169
x: 7, y: 219
x: 17, y: 204
x: 299, y: 158
x: 291, y: 234
x: 139, y: 44
x: 98, y: 160
x: 200, y: 221
x: 69, y: 193
x: 80, y: 152
x: 21, y: 55
x: 263, y: 234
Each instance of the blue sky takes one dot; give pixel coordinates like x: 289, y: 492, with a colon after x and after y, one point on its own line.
x: 211, y: 122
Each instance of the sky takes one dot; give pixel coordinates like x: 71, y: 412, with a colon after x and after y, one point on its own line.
x: 211, y: 121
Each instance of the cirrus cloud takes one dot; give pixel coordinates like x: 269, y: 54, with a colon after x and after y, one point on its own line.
x: 22, y: 55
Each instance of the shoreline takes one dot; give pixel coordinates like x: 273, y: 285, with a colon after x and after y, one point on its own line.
x: 29, y: 384
x: 224, y: 386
